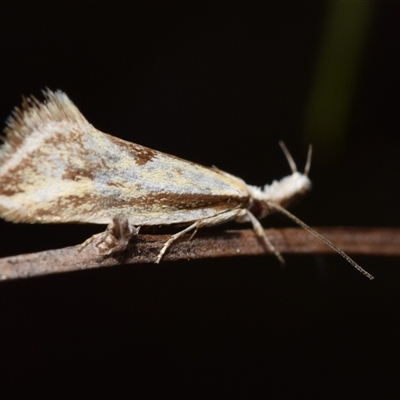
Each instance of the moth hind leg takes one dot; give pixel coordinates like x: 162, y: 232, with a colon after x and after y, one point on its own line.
x: 115, y: 238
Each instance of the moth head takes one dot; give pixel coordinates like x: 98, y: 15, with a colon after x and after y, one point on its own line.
x: 283, y: 192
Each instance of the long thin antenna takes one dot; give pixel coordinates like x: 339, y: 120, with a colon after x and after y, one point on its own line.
x: 308, y: 162
x: 288, y: 156
x: 320, y: 237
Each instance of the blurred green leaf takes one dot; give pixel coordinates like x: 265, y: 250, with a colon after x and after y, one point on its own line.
x: 336, y: 77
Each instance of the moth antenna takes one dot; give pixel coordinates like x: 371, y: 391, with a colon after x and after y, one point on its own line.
x: 308, y: 162
x: 320, y: 237
x: 288, y: 156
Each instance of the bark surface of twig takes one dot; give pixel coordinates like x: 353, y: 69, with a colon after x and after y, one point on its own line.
x: 361, y: 241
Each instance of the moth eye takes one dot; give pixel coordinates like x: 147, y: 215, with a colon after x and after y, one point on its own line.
x: 257, y: 208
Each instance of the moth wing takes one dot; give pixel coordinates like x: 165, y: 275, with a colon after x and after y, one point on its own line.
x: 56, y: 167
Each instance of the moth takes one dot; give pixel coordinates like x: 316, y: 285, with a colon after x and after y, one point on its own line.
x: 55, y: 167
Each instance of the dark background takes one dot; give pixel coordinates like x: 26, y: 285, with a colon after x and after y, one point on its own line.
x: 219, y: 84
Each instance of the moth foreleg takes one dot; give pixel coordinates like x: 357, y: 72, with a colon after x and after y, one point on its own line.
x: 259, y: 231
x: 115, y: 238
x: 216, y: 220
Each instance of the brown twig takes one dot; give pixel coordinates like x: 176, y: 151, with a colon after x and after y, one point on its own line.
x: 372, y: 241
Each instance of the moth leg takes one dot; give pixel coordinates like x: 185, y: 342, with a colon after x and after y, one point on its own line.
x: 172, y: 239
x: 115, y: 238
x: 88, y: 241
x: 259, y: 231
x: 194, y: 233
x: 218, y: 219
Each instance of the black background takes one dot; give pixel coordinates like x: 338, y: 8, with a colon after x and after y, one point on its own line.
x: 217, y: 83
